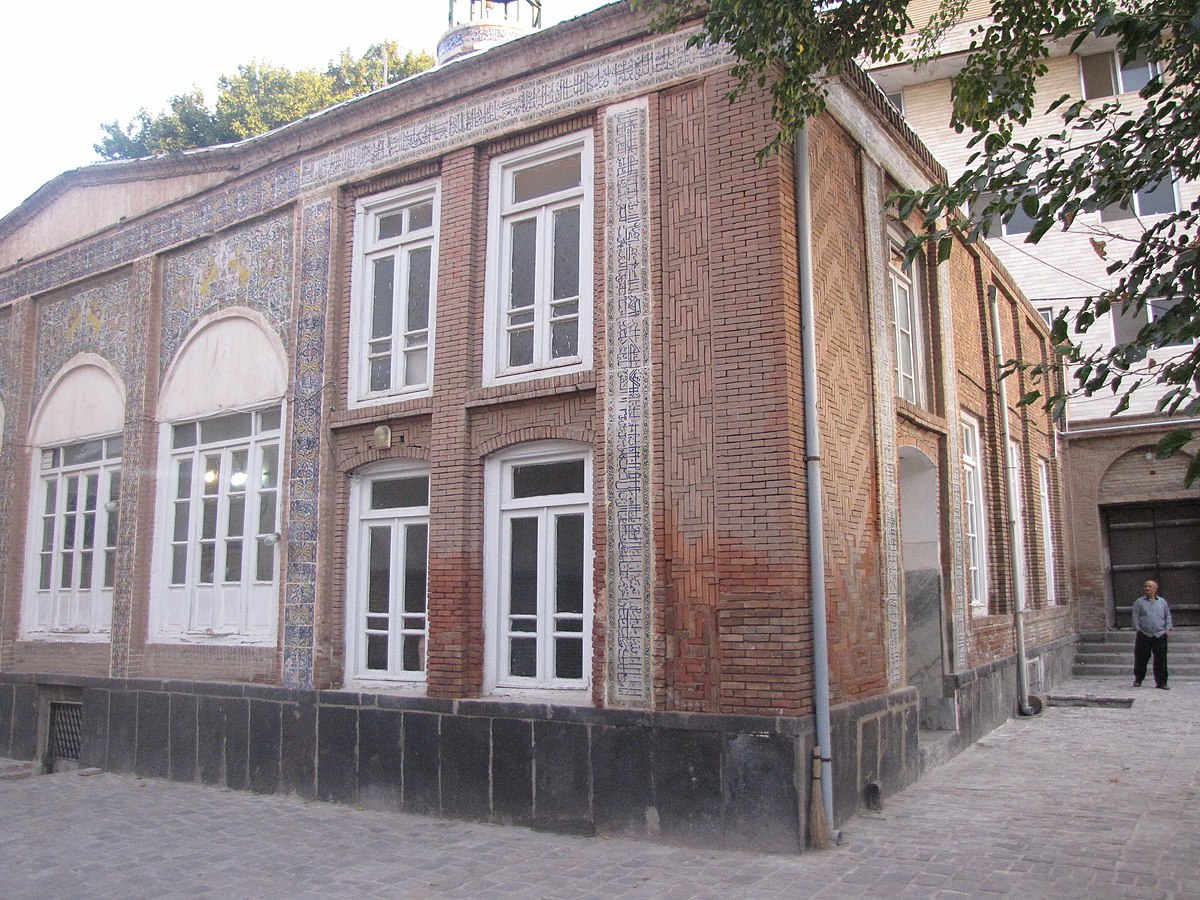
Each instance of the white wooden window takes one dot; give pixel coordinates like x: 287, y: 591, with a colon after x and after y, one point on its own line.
x: 389, y: 575
x: 539, y: 285
x: 1047, y: 533
x: 73, y: 538
x: 1152, y: 200
x: 539, y: 562
x: 1016, y: 494
x: 1105, y: 75
x: 972, y: 464
x: 393, y: 287
x: 908, y: 315
x: 219, y: 559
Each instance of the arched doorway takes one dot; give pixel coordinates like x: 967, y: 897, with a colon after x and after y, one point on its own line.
x: 920, y: 530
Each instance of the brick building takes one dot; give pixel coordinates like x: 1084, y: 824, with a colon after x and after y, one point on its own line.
x: 1132, y: 516
x: 446, y: 451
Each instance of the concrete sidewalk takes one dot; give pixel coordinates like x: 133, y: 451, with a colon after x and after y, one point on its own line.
x: 1080, y: 802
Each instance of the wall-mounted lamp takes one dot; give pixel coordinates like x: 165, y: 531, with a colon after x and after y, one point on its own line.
x: 381, y: 438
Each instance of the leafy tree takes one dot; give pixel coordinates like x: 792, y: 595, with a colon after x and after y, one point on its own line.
x: 258, y: 98
x: 1102, y: 154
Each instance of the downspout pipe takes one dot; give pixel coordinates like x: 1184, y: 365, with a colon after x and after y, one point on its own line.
x: 1023, y: 704
x: 812, y: 460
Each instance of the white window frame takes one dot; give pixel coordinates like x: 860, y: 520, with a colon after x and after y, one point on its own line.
x: 397, y: 624
x: 1131, y: 208
x: 403, y: 340
x: 1116, y: 74
x: 1150, y: 312
x: 1016, y: 495
x: 500, y: 507
x: 908, y: 296
x: 974, y: 519
x: 1048, y: 555
x: 502, y: 210
x: 72, y: 612
x: 244, y: 612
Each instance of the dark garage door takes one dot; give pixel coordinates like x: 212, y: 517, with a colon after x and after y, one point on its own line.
x: 1160, y: 541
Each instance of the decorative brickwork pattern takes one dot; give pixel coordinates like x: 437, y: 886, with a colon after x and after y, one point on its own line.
x: 250, y: 266
x: 884, y: 390
x: 95, y: 319
x: 308, y: 401
x: 627, y: 416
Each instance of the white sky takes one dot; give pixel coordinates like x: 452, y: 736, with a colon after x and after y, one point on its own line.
x: 68, y: 66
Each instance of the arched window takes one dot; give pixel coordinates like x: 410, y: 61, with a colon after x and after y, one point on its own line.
x: 216, y: 571
x: 71, y: 553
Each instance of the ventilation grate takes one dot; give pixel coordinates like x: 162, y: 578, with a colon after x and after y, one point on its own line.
x: 66, y: 726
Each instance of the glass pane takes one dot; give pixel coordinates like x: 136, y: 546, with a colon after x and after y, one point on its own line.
x: 568, y: 657
x: 566, y: 253
x: 264, y: 568
x: 233, y: 562
x: 420, y: 216
x: 237, y: 470
x: 377, y: 652
x: 564, y: 339
x: 416, y: 363
x: 522, y: 659
x: 110, y: 567
x: 47, y: 534
x: 208, y: 519
x: 268, y: 419
x: 212, y: 473
x: 266, y: 513
x: 391, y: 225
x: 1135, y: 73
x: 183, y: 435
x: 414, y: 652
x: 178, y: 564
x: 1127, y: 323
x: 183, y: 485
x: 547, y: 178
x: 547, y: 479
x: 1157, y: 199
x: 418, y: 289
x: 237, y: 516
x: 415, y: 554
x: 381, y: 296
x: 396, y: 493
x: 1098, y: 76
x: 225, y: 428
x: 381, y: 373
x: 85, y: 570
x: 51, y: 497
x: 1018, y: 223
x: 568, y: 564
x: 270, y: 466
x: 207, y: 559
x: 520, y: 347
x: 113, y: 447
x: 524, y: 263
x: 67, y: 560
x: 44, y: 573
x: 523, y: 577
x: 379, y: 561
x: 85, y: 452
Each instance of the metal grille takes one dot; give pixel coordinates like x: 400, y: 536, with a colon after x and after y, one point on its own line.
x: 66, y: 724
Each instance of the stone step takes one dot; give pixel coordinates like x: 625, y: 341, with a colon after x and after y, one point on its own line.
x: 1125, y: 670
x: 1174, y: 654
x: 16, y: 769
x: 1189, y: 636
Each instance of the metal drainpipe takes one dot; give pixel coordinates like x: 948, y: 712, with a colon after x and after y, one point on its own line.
x: 1018, y: 582
x: 812, y: 459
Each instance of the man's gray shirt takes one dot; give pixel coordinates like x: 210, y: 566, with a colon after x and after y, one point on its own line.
x: 1151, y: 617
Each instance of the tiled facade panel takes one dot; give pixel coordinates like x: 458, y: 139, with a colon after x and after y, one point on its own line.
x: 857, y: 639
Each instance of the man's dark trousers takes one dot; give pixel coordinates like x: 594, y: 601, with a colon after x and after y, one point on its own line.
x: 1143, y: 648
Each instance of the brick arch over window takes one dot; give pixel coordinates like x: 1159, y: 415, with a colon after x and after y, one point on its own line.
x: 579, y: 434
x: 231, y: 359
x: 85, y: 398
x: 1140, y: 475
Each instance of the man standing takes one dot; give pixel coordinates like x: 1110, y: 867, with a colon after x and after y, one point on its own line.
x: 1152, y: 622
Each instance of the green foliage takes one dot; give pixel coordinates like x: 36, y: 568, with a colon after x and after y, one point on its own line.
x: 1102, y: 153
x: 255, y: 100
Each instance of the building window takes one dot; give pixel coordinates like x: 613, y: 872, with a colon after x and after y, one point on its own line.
x: 221, y: 515
x: 1047, y: 533
x: 389, y: 576
x: 1128, y: 323
x: 896, y: 98
x: 1016, y: 496
x: 1104, y: 75
x: 1152, y: 200
x: 394, y: 283
x: 539, y: 559
x: 1018, y: 224
x: 909, y: 322
x: 972, y: 463
x: 74, y: 537
x: 539, y: 287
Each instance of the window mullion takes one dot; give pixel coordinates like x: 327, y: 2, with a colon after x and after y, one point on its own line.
x: 546, y: 593
x: 395, y: 663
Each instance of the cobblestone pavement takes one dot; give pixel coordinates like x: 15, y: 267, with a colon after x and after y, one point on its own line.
x: 1080, y: 802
